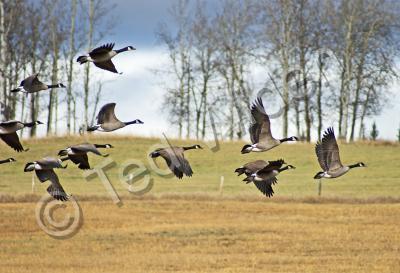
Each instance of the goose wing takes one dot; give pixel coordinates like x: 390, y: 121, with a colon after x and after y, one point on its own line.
x: 55, y: 189
x: 12, y: 140
x: 265, y: 186
x: 272, y: 166
x: 106, y: 65
x: 81, y: 160
x: 328, y: 152
x: 101, y: 50
x: 176, y: 161
x: 85, y: 147
x: 260, y: 129
x: 254, y: 166
x: 107, y: 114
x: 35, y: 79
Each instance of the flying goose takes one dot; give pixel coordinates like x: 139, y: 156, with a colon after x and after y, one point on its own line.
x: 107, y: 121
x: 78, y: 153
x: 102, y: 55
x: 8, y: 133
x: 32, y: 84
x: 266, y: 177
x: 328, y: 157
x: 260, y: 131
x: 175, y: 159
x: 44, y: 171
x: 8, y: 160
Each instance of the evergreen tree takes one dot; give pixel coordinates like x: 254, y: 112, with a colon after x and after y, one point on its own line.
x: 374, y: 132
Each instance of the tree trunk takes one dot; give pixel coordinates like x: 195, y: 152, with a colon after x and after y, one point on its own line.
x: 319, y: 97
x: 54, y: 79
x: 2, y: 48
x: 87, y: 68
x: 71, y: 65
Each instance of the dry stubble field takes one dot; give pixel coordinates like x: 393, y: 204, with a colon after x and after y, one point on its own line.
x: 207, y: 235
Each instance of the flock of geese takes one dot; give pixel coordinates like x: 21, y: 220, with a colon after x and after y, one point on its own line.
x: 262, y: 173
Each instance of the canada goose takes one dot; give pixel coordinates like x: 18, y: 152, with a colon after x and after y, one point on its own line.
x: 102, y: 55
x: 251, y: 167
x: 8, y: 133
x: 44, y: 171
x: 78, y: 153
x: 32, y: 85
x: 260, y: 131
x: 8, y: 160
x: 266, y: 177
x: 107, y: 121
x: 175, y: 159
x: 329, y: 159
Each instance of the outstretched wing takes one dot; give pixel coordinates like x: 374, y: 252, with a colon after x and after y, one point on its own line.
x: 177, y: 163
x: 260, y: 129
x: 101, y: 50
x: 12, y: 140
x: 81, y: 160
x: 106, y: 65
x: 107, y: 114
x: 320, y: 155
x: 328, y: 151
x: 55, y: 189
x: 272, y: 166
x: 35, y: 79
x: 265, y: 186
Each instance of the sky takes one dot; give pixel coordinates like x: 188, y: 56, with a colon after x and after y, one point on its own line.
x: 139, y: 92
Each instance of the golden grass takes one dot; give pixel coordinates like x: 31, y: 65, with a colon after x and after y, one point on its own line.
x: 180, y: 235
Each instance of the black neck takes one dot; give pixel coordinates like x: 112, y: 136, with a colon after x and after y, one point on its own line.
x: 4, y: 161
x: 122, y: 50
x: 53, y: 86
x: 100, y: 145
x: 131, y: 122
x: 189, y: 147
x: 354, y: 166
x: 30, y: 124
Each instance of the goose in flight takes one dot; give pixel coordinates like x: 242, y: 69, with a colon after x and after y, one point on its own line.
x: 260, y: 131
x: 264, y: 178
x: 8, y: 133
x: 108, y: 122
x: 32, y: 84
x: 328, y: 157
x: 102, y: 55
x: 44, y: 172
x: 175, y: 159
x: 78, y: 153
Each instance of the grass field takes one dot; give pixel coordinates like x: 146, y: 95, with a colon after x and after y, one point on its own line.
x: 186, y: 226
x: 379, y: 179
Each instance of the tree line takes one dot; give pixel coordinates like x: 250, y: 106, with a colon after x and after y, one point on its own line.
x: 45, y: 36
x: 323, y: 60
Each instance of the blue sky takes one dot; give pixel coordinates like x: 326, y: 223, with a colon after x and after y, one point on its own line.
x: 139, y: 92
